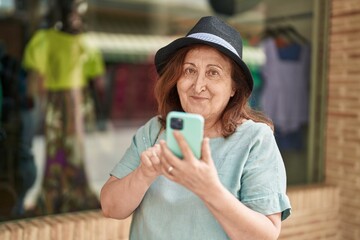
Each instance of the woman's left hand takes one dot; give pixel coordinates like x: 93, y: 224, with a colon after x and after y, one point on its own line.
x: 197, y: 175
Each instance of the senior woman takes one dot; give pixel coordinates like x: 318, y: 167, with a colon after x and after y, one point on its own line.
x: 237, y: 189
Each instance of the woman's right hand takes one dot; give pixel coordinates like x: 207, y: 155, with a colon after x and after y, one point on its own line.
x: 132, y: 187
x: 150, y: 164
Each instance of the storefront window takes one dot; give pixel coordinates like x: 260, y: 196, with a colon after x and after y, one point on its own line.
x: 279, y: 48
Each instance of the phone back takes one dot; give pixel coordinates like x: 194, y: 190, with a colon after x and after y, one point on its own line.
x: 191, y: 126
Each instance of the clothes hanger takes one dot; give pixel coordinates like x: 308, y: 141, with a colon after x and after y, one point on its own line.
x: 284, y: 32
x: 269, y: 32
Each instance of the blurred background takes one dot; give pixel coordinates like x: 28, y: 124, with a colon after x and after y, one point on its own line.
x: 127, y: 33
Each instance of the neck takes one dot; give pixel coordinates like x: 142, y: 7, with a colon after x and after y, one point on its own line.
x: 212, y: 130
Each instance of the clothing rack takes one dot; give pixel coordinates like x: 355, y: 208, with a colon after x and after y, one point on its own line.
x: 270, y: 20
x: 283, y: 24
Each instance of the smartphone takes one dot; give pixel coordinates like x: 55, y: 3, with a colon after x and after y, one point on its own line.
x: 191, y: 126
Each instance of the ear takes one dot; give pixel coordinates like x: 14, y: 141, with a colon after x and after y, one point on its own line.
x: 233, y: 91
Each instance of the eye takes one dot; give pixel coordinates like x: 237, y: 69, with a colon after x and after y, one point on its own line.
x: 189, y: 71
x: 212, y: 73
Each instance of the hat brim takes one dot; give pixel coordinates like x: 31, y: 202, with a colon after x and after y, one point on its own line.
x: 163, y: 55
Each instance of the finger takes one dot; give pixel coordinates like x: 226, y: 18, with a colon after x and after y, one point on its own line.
x: 167, y: 158
x: 145, y: 159
x: 168, y: 171
x: 184, y: 147
x: 165, y: 168
x: 154, y: 157
x: 157, y: 149
x: 170, y: 174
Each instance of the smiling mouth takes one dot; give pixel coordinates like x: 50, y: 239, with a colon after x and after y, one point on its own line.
x: 199, y: 98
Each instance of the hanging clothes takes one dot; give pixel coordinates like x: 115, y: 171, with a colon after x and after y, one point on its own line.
x: 133, y: 92
x: 255, y: 58
x: 66, y: 64
x: 285, y: 94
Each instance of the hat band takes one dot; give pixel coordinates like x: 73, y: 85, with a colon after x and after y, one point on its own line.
x: 214, y: 39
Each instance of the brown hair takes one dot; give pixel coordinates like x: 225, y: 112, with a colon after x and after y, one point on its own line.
x: 236, y: 110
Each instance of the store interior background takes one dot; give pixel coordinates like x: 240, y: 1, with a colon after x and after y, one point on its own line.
x: 128, y: 33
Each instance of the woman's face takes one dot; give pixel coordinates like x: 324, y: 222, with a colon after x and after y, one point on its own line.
x: 205, y: 85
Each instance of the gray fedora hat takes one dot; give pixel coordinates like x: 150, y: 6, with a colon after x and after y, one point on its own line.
x: 211, y: 31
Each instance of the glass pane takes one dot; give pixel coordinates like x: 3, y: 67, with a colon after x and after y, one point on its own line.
x: 101, y: 110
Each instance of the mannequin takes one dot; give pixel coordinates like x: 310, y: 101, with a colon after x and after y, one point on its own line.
x: 61, y: 67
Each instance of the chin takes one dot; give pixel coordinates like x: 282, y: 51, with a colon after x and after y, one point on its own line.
x: 198, y: 111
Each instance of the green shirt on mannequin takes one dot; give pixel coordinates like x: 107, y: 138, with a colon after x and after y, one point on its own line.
x: 52, y: 53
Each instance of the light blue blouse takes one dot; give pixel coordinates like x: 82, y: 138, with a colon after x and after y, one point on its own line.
x: 249, y: 165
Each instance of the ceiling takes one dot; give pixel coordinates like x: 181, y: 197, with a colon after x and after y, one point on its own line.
x: 167, y: 17
x: 132, y: 30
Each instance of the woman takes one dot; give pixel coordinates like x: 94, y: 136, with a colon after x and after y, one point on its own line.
x: 62, y: 66
x: 237, y: 189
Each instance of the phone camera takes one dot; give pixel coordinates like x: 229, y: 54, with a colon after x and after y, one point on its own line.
x: 176, y: 123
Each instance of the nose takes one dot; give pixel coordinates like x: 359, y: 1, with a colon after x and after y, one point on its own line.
x: 200, y: 83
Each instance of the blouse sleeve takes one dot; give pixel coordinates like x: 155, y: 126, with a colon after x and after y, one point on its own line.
x: 145, y: 137
x: 263, y: 183
x: 94, y: 65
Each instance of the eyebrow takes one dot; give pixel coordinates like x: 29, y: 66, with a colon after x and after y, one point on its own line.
x: 189, y: 63
x: 214, y: 65
x: 209, y: 65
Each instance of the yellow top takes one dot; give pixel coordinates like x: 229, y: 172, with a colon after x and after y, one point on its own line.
x: 63, y: 59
